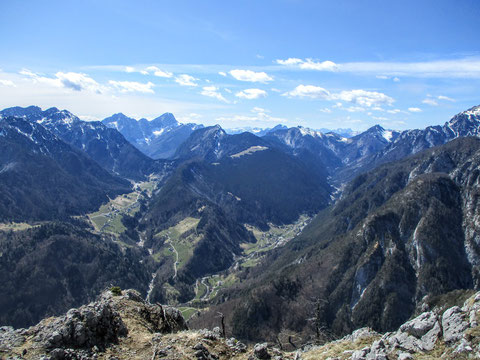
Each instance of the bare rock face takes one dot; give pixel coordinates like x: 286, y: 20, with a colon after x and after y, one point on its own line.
x: 82, y: 332
x: 419, y: 334
x: 164, y: 319
x: 453, y: 334
x: 96, y: 324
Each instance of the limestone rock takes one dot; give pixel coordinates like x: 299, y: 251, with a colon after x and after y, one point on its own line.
x: 454, y: 323
x: 419, y: 334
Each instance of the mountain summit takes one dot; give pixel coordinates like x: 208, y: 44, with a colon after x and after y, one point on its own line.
x: 158, y: 138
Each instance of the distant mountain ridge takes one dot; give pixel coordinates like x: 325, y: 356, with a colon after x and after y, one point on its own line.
x: 158, y: 138
x: 106, y: 146
x: 409, y: 142
x: 44, y: 178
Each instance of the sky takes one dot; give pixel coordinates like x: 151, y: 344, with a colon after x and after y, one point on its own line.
x: 320, y: 64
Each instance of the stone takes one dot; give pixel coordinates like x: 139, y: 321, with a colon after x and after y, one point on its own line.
x: 419, y: 334
x: 454, y: 324
x: 131, y: 294
x: 199, y: 346
x: 209, y: 335
x: 420, y: 325
x: 362, y: 333
x: 57, y: 354
x: 261, y: 352
x: 463, y: 347
x: 360, y: 354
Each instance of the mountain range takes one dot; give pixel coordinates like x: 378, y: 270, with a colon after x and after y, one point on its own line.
x: 158, y: 138
x: 217, y: 221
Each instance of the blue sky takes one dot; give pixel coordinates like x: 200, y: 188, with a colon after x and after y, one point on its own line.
x: 321, y: 64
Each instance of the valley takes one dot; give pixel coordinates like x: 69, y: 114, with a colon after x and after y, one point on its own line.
x: 252, y: 227
x: 108, y: 218
x: 257, y: 180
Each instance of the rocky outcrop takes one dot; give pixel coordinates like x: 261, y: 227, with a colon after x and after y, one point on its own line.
x: 452, y: 334
x: 90, y: 329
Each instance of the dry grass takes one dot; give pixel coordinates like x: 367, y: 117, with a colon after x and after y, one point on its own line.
x: 338, y: 349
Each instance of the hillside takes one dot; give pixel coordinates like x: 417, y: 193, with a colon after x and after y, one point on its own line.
x: 48, y: 269
x: 371, y: 259
x: 43, y: 178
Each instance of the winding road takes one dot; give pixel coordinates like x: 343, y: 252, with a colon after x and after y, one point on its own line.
x: 175, y: 262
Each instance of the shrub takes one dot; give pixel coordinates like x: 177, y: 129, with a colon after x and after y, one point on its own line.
x: 116, y: 291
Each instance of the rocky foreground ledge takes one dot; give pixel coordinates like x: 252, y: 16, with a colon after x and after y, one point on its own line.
x: 126, y: 327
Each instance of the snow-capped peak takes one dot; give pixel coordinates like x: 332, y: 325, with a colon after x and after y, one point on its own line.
x: 475, y: 111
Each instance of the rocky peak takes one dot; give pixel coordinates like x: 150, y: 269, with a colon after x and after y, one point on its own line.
x: 164, y: 120
x: 24, y: 112
x: 466, y: 123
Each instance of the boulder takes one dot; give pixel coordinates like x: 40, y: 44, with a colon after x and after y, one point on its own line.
x: 261, y: 352
x: 96, y: 324
x: 454, y: 323
x: 419, y: 334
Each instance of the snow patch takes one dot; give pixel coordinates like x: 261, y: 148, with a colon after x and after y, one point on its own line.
x: 387, y: 135
x: 249, y: 151
x: 473, y: 111
x: 307, y: 131
x: 158, y: 132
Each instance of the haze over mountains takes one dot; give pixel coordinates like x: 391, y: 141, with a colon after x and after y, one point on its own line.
x: 361, y: 230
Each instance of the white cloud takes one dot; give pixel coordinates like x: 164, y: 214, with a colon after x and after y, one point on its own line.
x: 363, y: 97
x: 310, y: 91
x: 394, y: 111
x: 414, y: 109
x: 355, y: 109
x: 186, y: 80
x: 212, y: 91
x: 94, y: 104
x: 309, y: 64
x: 132, y: 86
x: 430, y: 101
x: 251, y: 94
x: 249, y: 75
x: 69, y: 80
x: 434, y: 101
x: 222, y: 73
x: 458, y: 68
x: 228, y: 90
x: 325, y: 110
x: 383, y: 77
x: 7, y: 83
x: 89, y: 118
x: 157, y: 72
x: 380, y: 118
x: 188, y: 118
x: 257, y: 109
x: 442, y: 97
x: 129, y: 69
x: 78, y: 82
x: 290, y: 61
